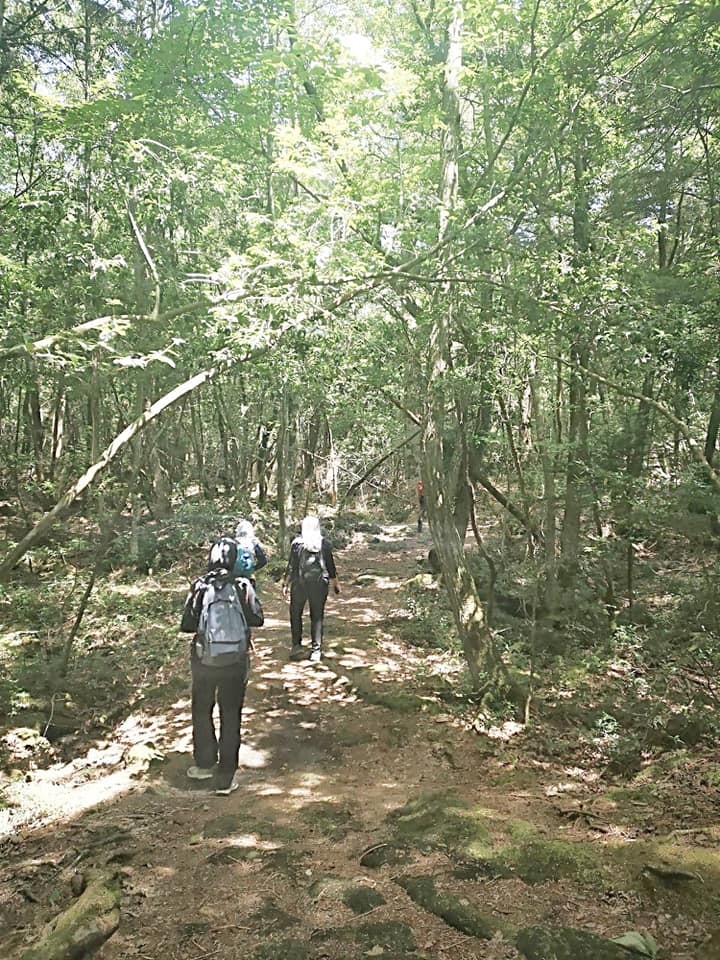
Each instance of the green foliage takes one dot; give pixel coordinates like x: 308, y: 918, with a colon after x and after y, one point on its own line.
x: 424, y: 619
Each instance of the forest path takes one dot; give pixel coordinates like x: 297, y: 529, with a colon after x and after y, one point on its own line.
x: 274, y: 870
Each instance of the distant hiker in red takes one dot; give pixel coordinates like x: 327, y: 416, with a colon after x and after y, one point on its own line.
x: 421, y: 505
x: 219, y: 611
x: 309, y: 573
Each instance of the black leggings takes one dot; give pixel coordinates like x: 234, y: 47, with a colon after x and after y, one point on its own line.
x: 227, y: 686
x: 315, y: 594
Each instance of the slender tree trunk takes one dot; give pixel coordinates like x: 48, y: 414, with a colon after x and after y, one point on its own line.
x: 519, y: 473
x: 467, y: 609
x: 223, y: 435
x: 36, y: 429
x: 282, y: 441
x: 545, y: 444
x: 262, y: 462
x: 58, y: 427
x: 205, y: 481
x: 579, y: 356
x: 640, y: 431
x: 713, y: 427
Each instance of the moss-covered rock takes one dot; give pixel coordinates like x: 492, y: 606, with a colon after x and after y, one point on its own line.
x: 538, y: 861
x: 351, y: 736
x: 441, y: 821
x: 367, y: 579
x: 392, y: 699
x: 234, y: 825
x: 454, y: 911
x: 712, y: 947
x: 362, y: 899
x: 86, y: 924
x: 328, y: 888
x: 539, y: 943
x: 195, y: 928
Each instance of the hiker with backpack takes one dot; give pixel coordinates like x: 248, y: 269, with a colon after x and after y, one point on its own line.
x: 309, y: 573
x: 219, y: 610
x: 250, y: 555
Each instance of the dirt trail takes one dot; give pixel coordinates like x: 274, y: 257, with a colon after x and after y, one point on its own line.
x: 322, y: 770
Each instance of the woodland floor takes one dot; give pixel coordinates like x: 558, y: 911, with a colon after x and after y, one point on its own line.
x: 336, y: 762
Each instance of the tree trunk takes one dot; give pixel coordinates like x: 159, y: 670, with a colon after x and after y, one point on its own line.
x: 713, y: 428
x: 58, y: 427
x: 640, y: 431
x: 281, y: 484
x: 579, y: 358
x: 544, y: 443
x: 467, y: 609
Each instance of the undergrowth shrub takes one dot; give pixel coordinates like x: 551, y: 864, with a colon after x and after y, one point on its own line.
x: 424, y: 619
x: 191, y: 529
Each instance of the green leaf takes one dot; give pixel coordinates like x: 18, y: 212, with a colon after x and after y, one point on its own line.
x: 640, y: 944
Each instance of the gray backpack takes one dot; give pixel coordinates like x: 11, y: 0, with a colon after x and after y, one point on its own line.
x: 311, y: 565
x: 223, y: 636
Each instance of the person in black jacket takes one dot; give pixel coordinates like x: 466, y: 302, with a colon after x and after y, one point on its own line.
x: 225, y: 684
x: 310, y: 571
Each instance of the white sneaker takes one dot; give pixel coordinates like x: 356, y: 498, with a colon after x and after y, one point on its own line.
x: 315, y: 656
x: 226, y: 791
x: 200, y: 773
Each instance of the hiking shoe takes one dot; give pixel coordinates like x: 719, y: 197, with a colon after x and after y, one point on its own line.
x: 315, y: 656
x: 297, y: 652
x: 200, y: 773
x: 226, y: 791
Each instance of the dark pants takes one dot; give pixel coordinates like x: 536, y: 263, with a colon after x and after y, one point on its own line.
x: 315, y: 594
x: 226, y: 686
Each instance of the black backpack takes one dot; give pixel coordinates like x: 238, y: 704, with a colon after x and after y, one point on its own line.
x: 311, y: 565
x: 223, y: 636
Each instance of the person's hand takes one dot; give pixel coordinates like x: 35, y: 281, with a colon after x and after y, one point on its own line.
x: 336, y: 588
x: 285, y: 590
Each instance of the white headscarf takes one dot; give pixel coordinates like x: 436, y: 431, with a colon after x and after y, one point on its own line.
x: 311, y: 534
x: 245, y: 532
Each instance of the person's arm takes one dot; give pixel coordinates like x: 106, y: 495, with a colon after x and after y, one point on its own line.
x: 251, y: 605
x: 260, y: 557
x: 191, y: 610
x: 329, y: 561
x: 292, y: 562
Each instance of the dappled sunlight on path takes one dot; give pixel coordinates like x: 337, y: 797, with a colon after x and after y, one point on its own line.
x: 341, y: 761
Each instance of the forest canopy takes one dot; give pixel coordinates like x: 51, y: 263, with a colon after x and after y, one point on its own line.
x: 292, y: 251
